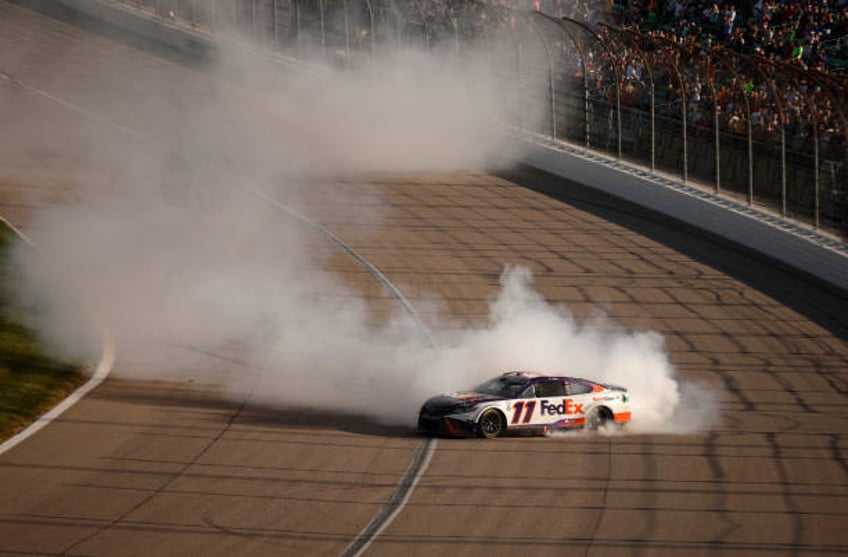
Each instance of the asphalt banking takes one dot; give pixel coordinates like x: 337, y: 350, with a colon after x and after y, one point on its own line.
x: 141, y: 468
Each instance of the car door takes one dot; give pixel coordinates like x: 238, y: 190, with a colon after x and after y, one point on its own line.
x: 522, y: 411
x: 552, y: 401
x: 555, y: 402
x: 542, y: 403
x: 581, y: 394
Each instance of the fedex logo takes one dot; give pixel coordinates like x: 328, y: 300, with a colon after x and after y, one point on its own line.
x: 568, y: 406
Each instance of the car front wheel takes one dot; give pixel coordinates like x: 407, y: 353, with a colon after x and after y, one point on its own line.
x: 491, y: 424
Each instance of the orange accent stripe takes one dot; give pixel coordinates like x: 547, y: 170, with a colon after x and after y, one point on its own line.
x: 450, y: 427
x: 621, y: 417
x: 579, y: 421
x: 598, y: 389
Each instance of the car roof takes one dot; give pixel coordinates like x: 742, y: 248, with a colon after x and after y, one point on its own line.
x: 532, y: 375
x: 523, y: 374
x: 535, y: 377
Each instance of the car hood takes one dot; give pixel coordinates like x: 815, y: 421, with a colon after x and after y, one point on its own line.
x: 451, y: 402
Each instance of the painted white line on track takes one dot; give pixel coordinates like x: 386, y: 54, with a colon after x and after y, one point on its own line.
x: 71, y: 106
x: 396, y: 503
x: 101, y: 371
x: 425, y: 451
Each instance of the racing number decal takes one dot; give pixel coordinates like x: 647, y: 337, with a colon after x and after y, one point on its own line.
x: 528, y: 406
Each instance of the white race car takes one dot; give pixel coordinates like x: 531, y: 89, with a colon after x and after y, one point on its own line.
x: 519, y: 400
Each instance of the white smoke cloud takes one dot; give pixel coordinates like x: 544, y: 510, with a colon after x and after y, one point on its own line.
x: 387, y: 372
x: 201, y: 280
x: 526, y: 332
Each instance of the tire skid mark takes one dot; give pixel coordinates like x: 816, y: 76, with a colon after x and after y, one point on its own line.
x: 602, y: 506
x: 650, y: 473
x: 173, y: 477
x: 797, y: 527
x: 836, y: 452
x: 719, y: 475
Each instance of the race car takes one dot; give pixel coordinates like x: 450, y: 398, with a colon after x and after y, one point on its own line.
x: 524, y: 401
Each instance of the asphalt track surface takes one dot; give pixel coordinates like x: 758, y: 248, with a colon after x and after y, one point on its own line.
x: 172, y: 468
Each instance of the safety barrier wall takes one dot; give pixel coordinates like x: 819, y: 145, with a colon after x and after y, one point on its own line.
x: 776, y: 238
x: 525, y: 60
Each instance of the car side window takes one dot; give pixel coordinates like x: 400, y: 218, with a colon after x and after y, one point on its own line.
x: 529, y: 392
x: 554, y: 387
x: 578, y: 388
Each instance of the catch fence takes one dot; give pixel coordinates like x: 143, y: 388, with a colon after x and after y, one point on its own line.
x: 767, y: 131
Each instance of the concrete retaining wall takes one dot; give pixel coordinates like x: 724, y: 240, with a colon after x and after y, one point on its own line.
x: 776, y: 238
x: 160, y: 31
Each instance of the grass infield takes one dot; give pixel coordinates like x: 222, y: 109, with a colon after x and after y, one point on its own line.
x: 30, y: 381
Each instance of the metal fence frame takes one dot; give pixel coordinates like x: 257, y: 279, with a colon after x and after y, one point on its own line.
x: 547, y: 48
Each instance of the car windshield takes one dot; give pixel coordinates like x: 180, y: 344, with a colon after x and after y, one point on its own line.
x: 504, y: 386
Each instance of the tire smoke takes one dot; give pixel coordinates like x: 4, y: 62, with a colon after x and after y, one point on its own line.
x: 201, y: 281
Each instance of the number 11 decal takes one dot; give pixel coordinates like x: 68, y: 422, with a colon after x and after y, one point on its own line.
x: 528, y: 407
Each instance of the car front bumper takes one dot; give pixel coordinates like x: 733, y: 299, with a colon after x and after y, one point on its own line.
x: 445, y: 425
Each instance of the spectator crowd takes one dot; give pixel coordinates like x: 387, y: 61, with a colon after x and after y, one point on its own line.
x: 781, y: 65
x: 763, y: 60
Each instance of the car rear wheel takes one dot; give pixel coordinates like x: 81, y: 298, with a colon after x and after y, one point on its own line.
x: 598, y: 417
x: 491, y: 424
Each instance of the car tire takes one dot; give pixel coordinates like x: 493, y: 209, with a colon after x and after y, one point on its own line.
x: 491, y: 424
x: 597, y: 418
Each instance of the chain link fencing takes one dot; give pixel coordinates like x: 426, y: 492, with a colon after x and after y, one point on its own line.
x: 766, y: 131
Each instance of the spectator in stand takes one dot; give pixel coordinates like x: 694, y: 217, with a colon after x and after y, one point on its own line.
x: 810, y: 34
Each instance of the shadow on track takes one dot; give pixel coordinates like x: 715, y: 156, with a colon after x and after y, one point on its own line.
x: 821, y: 302
x: 208, y: 400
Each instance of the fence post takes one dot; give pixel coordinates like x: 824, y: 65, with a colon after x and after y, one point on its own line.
x: 749, y: 127
x: 398, y: 24
x: 373, y: 29
x: 518, y: 83
x: 551, y: 83
x: 650, y: 71
x: 717, y: 130
x: 783, y: 169
x: 346, y: 5
x: 750, y: 131
x: 298, y: 30
x: 617, y: 102
x: 585, y: 77
x: 653, y: 122
x: 323, y: 32
x: 716, y: 122
x: 758, y: 65
x: 455, y: 24
x: 683, y: 118
x: 615, y: 67
x: 274, y: 19
x: 816, y: 177
x: 681, y: 81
